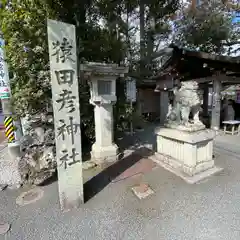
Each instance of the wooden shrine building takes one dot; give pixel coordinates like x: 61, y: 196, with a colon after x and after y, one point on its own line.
x: 208, y: 70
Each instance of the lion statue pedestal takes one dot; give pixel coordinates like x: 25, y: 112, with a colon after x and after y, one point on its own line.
x: 185, y: 147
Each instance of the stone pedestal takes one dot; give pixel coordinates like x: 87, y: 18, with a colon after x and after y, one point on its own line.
x: 104, y: 148
x: 187, y: 154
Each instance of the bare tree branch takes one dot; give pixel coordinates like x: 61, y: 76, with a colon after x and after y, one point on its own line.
x: 231, y: 43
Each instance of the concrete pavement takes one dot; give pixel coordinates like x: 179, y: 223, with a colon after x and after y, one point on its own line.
x: 209, y: 210
x: 2, y: 136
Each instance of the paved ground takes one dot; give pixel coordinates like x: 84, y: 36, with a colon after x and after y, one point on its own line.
x: 209, y: 210
x: 8, y: 170
x: 2, y: 136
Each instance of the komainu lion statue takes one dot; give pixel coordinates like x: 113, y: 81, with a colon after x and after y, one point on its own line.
x: 186, y: 100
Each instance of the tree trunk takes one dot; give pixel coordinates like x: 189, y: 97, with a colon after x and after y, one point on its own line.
x: 142, y: 35
x: 142, y: 66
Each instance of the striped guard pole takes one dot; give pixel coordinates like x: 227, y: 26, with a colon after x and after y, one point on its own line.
x: 9, y: 129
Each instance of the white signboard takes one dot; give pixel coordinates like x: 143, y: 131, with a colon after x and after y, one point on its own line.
x: 65, y: 98
x: 131, y: 90
x: 4, y: 77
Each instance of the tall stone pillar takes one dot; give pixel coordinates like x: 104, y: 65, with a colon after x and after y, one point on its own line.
x: 65, y: 99
x: 216, y: 105
x: 164, y: 103
x: 104, y: 147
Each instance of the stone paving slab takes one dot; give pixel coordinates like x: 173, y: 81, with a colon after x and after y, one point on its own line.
x: 142, y: 191
x: 143, y: 166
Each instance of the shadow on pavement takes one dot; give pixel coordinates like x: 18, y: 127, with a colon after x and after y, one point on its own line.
x: 100, y: 181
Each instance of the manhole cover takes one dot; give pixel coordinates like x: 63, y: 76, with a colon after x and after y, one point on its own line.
x: 4, y: 228
x: 30, y: 196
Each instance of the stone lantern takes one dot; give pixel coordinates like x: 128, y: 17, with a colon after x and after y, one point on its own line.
x: 102, y: 81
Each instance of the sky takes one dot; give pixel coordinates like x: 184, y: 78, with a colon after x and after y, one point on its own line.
x: 236, y: 19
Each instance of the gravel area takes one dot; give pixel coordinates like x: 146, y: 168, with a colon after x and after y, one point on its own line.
x: 9, y: 173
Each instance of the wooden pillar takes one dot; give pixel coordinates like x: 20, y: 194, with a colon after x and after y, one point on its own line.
x: 194, y: 4
x: 205, y: 99
x: 216, y: 105
x: 164, y: 102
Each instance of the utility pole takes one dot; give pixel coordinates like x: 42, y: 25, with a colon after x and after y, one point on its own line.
x: 13, y: 129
